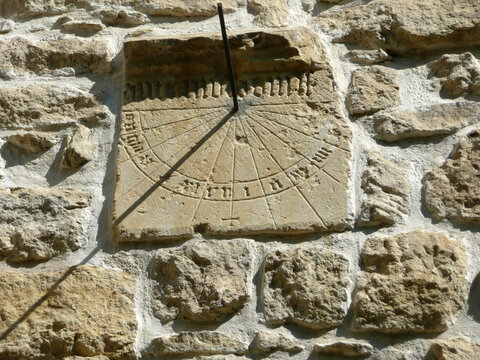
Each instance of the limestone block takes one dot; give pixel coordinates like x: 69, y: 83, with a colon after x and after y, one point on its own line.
x: 350, y: 349
x: 269, y: 13
x: 80, y: 148
x: 267, y: 341
x: 124, y: 18
x: 79, y: 26
x: 46, y: 106
x: 187, y: 164
x: 386, y: 192
x: 367, y: 57
x: 413, y: 283
x: 372, y: 89
x: 455, y: 349
x: 404, y: 26
x: 452, y: 191
x: 305, y: 286
x: 437, y: 119
x: 459, y: 74
x: 202, y: 343
x: 80, y: 311
x: 31, y: 142
x: 38, y: 224
x: 21, y: 55
x: 201, y: 281
x: 6, y: 26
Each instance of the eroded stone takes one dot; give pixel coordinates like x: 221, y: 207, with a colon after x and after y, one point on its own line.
x: 413, y: 283
x: 6, y: 26
x: 459, y: 74
x: 386, y: 192
x: 350, y: 349
x: 305, y: 286
x: 21, y: 55
x: 38, y: 224
x: 372, y: 89
x: 202, y: 343
x: 81, y: 311
x: 280, y: 164
x: 31, y: 142
x: 267, y: 342
x: 368, y: 57
x: 405, y: 26
x: 202, y: 281
x: 125, y: 18
x: 85, y: 27
x: 80, y: 148
x: 452, y: 191
x: 455, y: 349
x: 44, y: 106
x: 437, y: 119
x: 269, y: 13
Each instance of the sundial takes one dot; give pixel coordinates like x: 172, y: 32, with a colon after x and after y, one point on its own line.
x: 186, y: 163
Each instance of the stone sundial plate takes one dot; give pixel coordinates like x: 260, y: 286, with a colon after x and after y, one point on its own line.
x: 186, y: 164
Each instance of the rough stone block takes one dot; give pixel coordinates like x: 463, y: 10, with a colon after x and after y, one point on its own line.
x: 186, y: 164
x: 413, y: 283
x: 267, y: 342
x: 80, y: 148
x: 455, y: 349
x: 202, y: 281
x: 452, y: 191
x: 31, y: 142
x: 349, y: 349
x: 305, y: 286
x: 81, y: 311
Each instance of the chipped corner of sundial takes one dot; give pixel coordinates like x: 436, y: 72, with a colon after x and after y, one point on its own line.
x: 186, y: 163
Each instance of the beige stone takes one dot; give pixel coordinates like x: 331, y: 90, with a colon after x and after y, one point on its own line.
x: 367, y: 57
x: 6, y: 26
x: 280, y: 164
x: 21, y: 55
x: 305, y: 286
x: 455, y: 349
x: 80, y: 148
x: 201, y: 281
x: 350, y: 349
x: 413, y: 283
x: 82, y: 27
x: 372, y: 89
x: 46, y: 107
x: 404, y: 26
x: 124, y: 18
x: 190, y: 343
x: 386, y: 192
x: 459, y: 74
x: 269, y: 13
x: 267, y: 341
x: 31, y: 142
x: 452, y: 191
x: 80, y: 311
x: 437, y: 119
x: 38, y: 224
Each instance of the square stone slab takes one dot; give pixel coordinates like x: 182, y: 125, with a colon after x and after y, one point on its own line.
x: 187, y: 164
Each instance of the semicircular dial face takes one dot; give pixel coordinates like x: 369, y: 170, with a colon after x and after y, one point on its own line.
x: 186, y: 163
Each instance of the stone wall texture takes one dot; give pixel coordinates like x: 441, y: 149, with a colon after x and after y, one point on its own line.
x: 334, y: 215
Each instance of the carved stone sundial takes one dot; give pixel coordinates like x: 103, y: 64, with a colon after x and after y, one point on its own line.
x: 186, y: 164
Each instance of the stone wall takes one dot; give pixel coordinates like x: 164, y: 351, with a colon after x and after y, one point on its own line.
x: 336, y: 215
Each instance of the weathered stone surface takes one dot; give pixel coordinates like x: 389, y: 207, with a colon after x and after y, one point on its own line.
x: 452, y: 191
x: 44, y: 106
x: 269, y: 13
x: 305, y: 286
x: 83, y: 311
x: 350, y: 349
x: 413, y: 282
x: 99, y: 357
x: 267, y: 342
x: 459, y: 74
x: 21, y: 55
x: 368, y: 57
x: 196, y: 343
x: 201, y: 281
x: 372, y: 89
x: 405, y: 26
x: 31, y: 142
x: 83, y: 27
x: 437, y: 119
x: 386, y: 192
x: 80, y: 148
x: 279, y: 164
x: 6, y: 26
x: 124, y: 18
x: 39, y: 224
x: 455, y: 349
